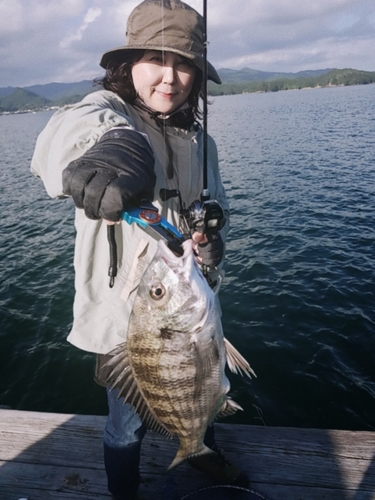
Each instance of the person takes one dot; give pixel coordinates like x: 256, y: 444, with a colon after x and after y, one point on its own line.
x: 124, y: 143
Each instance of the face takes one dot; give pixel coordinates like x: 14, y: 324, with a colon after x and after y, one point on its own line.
x: 163, y: 80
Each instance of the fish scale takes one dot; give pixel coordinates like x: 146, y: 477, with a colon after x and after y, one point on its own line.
x: 165, y: 382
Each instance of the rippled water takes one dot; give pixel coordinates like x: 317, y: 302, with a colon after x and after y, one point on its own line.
x: 299, y: 294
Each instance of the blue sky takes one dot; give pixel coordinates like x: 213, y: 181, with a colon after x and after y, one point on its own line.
x: 43, y: 41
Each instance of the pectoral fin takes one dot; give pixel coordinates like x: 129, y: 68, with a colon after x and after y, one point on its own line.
x: 236, y: 362
x: 206, y: 357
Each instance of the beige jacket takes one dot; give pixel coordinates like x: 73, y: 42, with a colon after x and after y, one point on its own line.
x: 101, y: 313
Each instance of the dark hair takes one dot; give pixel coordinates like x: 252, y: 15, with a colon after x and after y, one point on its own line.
x: 118, y: 79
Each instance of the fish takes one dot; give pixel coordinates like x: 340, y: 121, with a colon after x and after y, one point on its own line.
x: 171, y: 368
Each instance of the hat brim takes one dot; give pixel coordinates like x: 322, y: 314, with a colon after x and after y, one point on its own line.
x: 121, y: 55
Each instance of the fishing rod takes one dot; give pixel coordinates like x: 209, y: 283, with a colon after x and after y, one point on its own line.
x: 204, y: 215
x: 205, y: 192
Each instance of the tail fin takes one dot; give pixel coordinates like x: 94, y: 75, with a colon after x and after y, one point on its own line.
x: 181, y: 456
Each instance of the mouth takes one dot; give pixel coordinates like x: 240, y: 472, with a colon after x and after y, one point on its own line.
x: 176, y: 256
x: 166, y: 95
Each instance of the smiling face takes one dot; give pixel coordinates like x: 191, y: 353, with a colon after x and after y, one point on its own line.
x: 163, y: 80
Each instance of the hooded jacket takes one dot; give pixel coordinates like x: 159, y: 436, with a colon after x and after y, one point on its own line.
x: 101, y: 313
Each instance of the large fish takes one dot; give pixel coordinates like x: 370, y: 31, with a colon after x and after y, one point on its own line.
x: 171, y: 368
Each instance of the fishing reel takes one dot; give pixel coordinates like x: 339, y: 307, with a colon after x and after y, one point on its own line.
x: 207, y: 217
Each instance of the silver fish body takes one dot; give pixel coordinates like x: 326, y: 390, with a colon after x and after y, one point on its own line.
x: 172, y: 366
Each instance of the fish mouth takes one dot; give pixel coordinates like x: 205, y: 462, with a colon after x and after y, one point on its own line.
x: 175, y: 254
x: 187, y: 265
x: 181, y: 260
x: 184, y: 263
x: 176, y: 248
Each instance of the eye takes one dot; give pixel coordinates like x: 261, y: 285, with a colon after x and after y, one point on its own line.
x: 185, y: 64
x: 154, y: 56
x: 158, y: 291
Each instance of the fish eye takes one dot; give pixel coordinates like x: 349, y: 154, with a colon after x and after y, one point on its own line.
x: 158, y: 291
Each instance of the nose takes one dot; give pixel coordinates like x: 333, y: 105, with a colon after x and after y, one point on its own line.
x: 169, y: 74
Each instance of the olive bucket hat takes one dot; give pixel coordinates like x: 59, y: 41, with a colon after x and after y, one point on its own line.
x: 169, y: 25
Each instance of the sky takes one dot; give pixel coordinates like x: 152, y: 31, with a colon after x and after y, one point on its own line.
x: 44, y: 41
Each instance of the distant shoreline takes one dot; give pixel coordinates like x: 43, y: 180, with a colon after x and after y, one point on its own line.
x: 32, y: 111
x: 56, y: 108
x: 304, y: 88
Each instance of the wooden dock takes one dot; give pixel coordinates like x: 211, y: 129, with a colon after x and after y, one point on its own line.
x: 46, y: 456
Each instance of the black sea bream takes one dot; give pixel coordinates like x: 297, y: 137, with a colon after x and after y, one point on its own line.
x: 171, y: 367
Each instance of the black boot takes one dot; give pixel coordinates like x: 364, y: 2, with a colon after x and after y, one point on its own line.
x: 122, y: 466
x: 220, y: 469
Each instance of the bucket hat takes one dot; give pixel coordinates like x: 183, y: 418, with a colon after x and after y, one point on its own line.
x: 169, y: 25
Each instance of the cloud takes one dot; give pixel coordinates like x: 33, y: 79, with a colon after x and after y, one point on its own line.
x: 90, y: 17
x: 10, y: 17
x: 287, y: 35
x: 43, y: 40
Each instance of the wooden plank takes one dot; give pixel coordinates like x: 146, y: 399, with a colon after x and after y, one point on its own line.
x: 310, y: 460
x: 40, y: 482
x: 40, y: 452
x: 40, y: 435
x: 58, y: 456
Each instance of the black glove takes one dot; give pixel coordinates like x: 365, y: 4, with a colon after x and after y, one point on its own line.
x: 114, y: 174
x: 211, y: 252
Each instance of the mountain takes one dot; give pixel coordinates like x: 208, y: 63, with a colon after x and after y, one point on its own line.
x: 249, y: 81
x: 6, y: 91
x: 38, y: 97
x: 61, y: 91
x: 23, y: 99
x: 253, y: 75
x: 246, y: 80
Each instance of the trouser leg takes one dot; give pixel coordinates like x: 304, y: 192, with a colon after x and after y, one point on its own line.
x: 123, y: 436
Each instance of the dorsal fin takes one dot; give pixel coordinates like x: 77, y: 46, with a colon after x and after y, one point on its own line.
x: 236, y: 362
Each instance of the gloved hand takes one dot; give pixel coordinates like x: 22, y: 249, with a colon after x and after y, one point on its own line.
x: 115, y: 173
x: 211, y: 252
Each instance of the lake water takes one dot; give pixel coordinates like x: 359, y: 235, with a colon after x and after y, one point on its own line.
x: 299, y: 295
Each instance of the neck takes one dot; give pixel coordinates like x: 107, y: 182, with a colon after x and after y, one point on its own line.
x: 181, y: 117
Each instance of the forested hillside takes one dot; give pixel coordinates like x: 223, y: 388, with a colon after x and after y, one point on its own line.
x: 273, y: 84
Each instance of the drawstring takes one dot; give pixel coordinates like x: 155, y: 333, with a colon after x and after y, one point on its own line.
x: 169, y: 149
x: 112, y: 271
x: 180, y: 119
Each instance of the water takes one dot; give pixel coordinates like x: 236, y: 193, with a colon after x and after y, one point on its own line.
x: 298, y: 298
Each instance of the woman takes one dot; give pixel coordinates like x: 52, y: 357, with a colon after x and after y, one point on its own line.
x: 114, y: 148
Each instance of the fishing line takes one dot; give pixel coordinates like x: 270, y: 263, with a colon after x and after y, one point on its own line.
x: 164, y: 130
x: 205, y: 193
